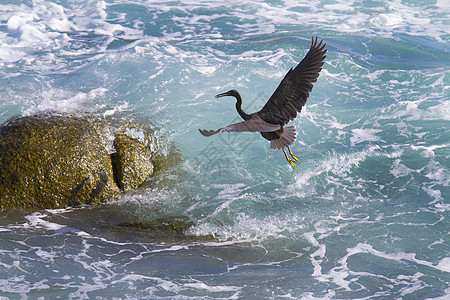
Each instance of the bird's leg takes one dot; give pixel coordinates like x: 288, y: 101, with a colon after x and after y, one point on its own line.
x: 289, y: 160
x: 292, y: 154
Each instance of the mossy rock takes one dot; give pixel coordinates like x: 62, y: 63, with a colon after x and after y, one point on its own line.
x: 132, y: 162
x: 51, y: 161
x: 54, y: 161
x: 174, y: 225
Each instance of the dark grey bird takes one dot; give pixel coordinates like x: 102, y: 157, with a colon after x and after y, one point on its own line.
x: 283, y: 106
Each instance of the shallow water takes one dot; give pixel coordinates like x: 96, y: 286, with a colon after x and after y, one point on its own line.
x: 364, y: 216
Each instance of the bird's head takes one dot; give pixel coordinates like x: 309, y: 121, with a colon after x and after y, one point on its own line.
x: 233, y: 93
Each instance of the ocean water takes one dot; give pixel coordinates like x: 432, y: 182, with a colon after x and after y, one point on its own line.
x: 365, y: 215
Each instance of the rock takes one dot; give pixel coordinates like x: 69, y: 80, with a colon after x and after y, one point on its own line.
x: 54, y: 161
x: 132, y: 162
x: 174, y: 225
x: 50, y: 161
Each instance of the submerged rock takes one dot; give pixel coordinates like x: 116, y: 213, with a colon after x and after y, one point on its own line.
x: 175, y: 225
x: 52, y: 161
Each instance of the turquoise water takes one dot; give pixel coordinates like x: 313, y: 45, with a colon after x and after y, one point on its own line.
x: 365, y: 215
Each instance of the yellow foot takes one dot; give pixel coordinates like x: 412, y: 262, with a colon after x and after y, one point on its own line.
x: 292, y: 154
x: 295, y: 157
x: 292, y: 163
x: 290, y: 160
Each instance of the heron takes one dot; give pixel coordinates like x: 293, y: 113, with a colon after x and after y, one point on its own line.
x: 283, y: 106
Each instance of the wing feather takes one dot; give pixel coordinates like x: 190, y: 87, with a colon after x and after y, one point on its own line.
x: 252, y: 125
x: 255, y: 124
x: 293, y: 91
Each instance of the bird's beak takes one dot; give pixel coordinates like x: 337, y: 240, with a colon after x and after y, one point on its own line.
x: 222, y: 95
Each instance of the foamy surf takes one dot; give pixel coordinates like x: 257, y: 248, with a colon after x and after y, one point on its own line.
x: 364, y: 216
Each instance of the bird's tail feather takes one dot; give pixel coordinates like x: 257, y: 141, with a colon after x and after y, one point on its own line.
x: 287, y: 138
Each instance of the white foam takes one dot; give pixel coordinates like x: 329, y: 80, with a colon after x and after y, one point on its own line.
x: 212, y: 289
x: 339, y: 7
x: 118, y: 108
x: 45, y: 26
x: 400, y: 170
x: 177, y: 287
x: 36, y: 220
x: 413, y: 283
x: 61, y: 101
x: 247, y: 229
x: 29, y: 35
x: 20, y: 285
x: 438, y: 242
x: 9, y: 55
x: 45, y: 255
x: 412, y: 112
x: 364, y: 135
x: 16, y: 21
x: 171, y: 249
x: 440, y: 111
x: 438, y: 173
x: 310, y: 296
x: 338, y: 164
x: 205, y: 70
x: 428, y: 151
x: 42, y: 25
x: 444, y: 264
x: 340, y: 274
x: 378, y: 20
x: 383, y: 20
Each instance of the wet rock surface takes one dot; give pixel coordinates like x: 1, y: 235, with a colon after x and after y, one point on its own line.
x: 132, y: 162
x: 53, y: 161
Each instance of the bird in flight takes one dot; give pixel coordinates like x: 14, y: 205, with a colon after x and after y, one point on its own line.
x: 282, y: 107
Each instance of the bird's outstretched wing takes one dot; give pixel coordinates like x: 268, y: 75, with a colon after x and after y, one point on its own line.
x: 255, y: 124
x: 294, y: 89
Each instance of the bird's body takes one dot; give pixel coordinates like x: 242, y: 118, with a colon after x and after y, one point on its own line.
x: 283, y: 106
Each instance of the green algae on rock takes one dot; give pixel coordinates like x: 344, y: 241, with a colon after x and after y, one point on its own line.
x: 174, y: 225
x: 50, y: 161
x: 54, y: 161
x: 132, y: 162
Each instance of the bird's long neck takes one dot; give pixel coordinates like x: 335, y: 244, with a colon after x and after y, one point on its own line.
x: 239, y: 108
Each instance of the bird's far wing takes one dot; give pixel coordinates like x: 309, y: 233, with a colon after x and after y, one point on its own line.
x: 293, y: 91
x: 255, y: 124
x: 252, y: 125
x: 209, y: 132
